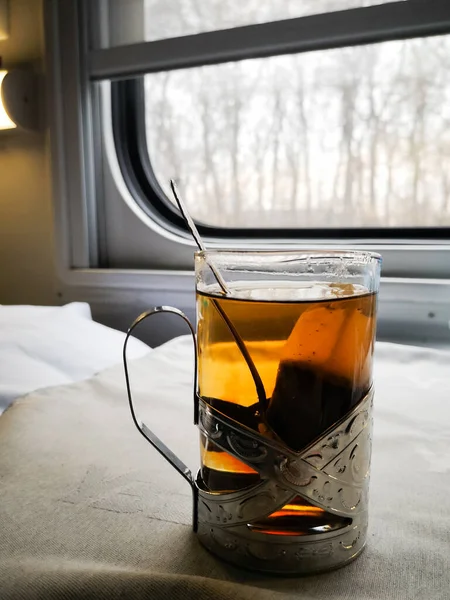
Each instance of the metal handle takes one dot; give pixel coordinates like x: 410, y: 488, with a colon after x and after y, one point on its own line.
x: 154, y: 440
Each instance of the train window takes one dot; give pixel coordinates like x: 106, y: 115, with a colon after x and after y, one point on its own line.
x: 285, y: 123
x: 344, y: 138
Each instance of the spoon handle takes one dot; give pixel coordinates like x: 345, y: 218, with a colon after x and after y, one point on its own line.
x: 195, y: 234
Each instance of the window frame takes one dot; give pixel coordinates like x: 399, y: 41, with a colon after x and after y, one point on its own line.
x: 352, y: 27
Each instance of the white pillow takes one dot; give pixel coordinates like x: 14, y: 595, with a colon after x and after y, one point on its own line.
x: 42, y: 346
x: 26, y: 312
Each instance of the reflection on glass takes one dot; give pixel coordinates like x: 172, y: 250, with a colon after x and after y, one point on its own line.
x: 339, y: 138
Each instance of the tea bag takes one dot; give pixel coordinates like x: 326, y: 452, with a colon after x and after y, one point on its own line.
x: 352, y: 354
x: 311, y: 391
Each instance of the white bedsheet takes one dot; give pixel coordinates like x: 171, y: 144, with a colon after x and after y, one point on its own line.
x: 89, y: 509
x: 43, y: 346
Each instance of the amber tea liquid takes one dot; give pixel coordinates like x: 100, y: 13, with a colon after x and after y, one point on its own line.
x: 313, y: 350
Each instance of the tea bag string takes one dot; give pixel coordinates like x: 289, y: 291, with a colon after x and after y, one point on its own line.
x: 260, y: 391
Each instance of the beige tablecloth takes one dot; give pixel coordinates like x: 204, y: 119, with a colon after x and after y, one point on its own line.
x: 89, y: 510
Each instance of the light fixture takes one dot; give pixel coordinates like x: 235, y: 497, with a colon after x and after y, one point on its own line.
x: 5, y: 121
x: 4, y: 19
x: 19, y: 100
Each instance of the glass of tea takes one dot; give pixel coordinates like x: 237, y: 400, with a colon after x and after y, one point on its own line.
x: 285, y: 394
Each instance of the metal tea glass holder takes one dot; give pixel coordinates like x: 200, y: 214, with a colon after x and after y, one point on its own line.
x: 331, y: 473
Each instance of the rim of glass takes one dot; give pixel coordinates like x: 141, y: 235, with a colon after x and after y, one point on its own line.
x: 333, y: 253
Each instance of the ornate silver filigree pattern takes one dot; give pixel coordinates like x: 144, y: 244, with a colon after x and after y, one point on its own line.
x: 332, y: 473
x: 337, y: 483
x: 244, y: 506
x: 286, y: 554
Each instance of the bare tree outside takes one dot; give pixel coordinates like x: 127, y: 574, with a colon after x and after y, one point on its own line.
x: 351, y: 137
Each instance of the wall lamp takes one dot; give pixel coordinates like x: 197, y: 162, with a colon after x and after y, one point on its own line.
x: 19, y: 100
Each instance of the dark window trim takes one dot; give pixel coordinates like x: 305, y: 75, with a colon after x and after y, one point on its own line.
x: 336, y: 29
x: 128, y: 118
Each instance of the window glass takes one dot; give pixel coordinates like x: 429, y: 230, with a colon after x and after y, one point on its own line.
x: 172, y: 18
x: 351, y: 137
x: 131, y: 21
